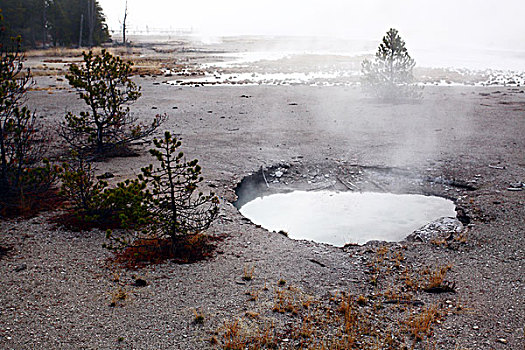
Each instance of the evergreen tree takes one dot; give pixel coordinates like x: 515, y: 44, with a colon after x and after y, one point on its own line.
x: 389, y: 75
x: 24, y: 174
x: 104, y: 83
x: 59, y: 22
x: 176, y: 209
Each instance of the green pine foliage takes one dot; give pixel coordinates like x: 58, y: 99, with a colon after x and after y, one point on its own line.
x: 104, y: 84
x: 55, y: 22
x: 128, y: 202
x: 24, y: 173
x: 80, y: 186
x: 389, y: 75
x: 93, y: 204
x: 176, y: 207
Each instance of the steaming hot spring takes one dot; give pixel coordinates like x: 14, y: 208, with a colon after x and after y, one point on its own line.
x: 325, y: 213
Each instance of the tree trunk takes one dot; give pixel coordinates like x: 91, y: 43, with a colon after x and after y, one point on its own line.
x: 44, y: 26
x: 81, y: 30
x: 3, y: 166
x: 91, y: 21
x: 124, y: 24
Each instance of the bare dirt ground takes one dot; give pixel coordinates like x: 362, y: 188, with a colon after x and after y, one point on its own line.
x: 56, y: 286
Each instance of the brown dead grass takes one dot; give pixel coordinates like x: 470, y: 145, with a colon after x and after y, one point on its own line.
x: 435, y: 277
x: 77, y: 52
x: 76, y: 222
x: 31, y: 204
x: 184, y: 250
x: 391, y: 317
x: 420, y: 325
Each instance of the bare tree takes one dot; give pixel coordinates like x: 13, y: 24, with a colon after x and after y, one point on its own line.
x: 91, y: 21
x: 124, y: 24
x: 81, y: 30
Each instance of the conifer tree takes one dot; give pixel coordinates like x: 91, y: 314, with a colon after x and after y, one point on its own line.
x: 389, y: 75
x: 39, y: 22
x: 104, y: 83
x: 24, y: 174
x: 176, y: 208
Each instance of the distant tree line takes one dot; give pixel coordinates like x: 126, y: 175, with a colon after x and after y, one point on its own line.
x: 43, y: 23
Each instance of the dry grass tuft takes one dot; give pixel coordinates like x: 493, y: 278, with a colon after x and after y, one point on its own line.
x: 118, y: 296
x: 198, y: 317
x: 248, y: 273
x: 435, y: 279
x: 184, y: 250
x: 420, y: 325
x: 390, y: 317
x: 31, y: 204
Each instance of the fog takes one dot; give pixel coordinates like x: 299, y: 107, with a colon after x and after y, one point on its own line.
x: 465, y: 23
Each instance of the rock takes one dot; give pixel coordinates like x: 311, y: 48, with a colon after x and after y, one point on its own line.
x: 106, y: 175
x: 439, y: 228
x: 462, y: 216
x: 278, y: 174
x: 516, y: 186
x: 502, y: 340
x: 20, y: 267
x: 139, y: 282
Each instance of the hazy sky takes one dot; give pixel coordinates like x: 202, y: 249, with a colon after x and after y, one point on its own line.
x: 472, y: 22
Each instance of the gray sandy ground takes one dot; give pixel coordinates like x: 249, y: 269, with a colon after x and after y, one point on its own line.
x: 61, y: 299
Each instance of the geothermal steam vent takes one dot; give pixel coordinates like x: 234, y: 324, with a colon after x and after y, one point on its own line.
x: 339, y: 218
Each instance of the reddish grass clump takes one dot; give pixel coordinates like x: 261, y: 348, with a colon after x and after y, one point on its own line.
x: 182, y: 250
x: 31, y: 204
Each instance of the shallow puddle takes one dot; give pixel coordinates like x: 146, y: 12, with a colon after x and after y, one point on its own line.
x: 338, y: 218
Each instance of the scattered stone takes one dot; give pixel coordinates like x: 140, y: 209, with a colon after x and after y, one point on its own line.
x: 496, y: 167
x: 20, y: 267
x: 516, y: 186
x: 139, y: 282
x: 317, y: 262
x: 502, y: 340
x: 439, y: 228
x: 106, y: 175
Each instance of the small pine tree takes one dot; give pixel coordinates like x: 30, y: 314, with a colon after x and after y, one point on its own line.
x: 24, y: 173
x: 389, y: 75
x: 93, y: 204
x: 176, y: 208
x: 80, y: 186
x: 105, y: 86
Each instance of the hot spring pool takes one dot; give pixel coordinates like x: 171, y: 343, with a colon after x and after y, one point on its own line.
x: 339, y: 218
